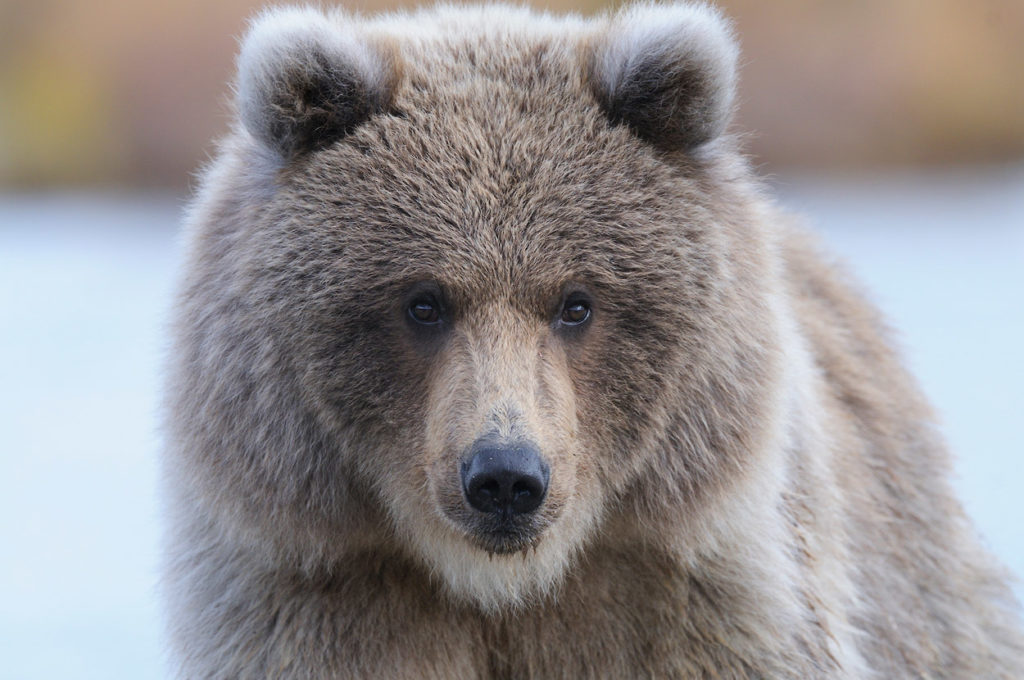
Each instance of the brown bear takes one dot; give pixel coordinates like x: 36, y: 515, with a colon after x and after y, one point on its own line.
x: 492, y: 359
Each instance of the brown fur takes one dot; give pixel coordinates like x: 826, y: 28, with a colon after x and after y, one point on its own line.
x: 744, y: 481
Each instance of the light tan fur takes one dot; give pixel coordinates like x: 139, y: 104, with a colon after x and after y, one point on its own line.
x: 744, y: 482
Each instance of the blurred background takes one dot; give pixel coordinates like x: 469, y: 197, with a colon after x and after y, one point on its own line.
x: 108, y: 93
x: 895, y: 126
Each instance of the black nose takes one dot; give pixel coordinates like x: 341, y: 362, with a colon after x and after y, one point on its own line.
x: 505, y: 479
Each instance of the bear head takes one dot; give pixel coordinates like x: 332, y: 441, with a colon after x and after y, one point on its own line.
x: 476, y: 287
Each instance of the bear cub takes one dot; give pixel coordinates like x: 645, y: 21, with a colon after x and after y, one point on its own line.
x: 492, y: 359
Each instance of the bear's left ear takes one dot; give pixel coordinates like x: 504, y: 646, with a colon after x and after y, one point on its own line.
x: 306, y: 79
x: 668, y: 72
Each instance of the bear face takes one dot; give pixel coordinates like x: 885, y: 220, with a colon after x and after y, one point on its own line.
x: 423, y: 253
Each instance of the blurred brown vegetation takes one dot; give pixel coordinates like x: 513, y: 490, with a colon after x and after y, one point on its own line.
x: 112, y: 92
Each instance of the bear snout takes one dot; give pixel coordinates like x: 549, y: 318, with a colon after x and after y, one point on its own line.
x: 505, y: 480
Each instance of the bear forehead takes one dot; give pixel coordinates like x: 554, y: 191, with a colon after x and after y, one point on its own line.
x: 475, y: 189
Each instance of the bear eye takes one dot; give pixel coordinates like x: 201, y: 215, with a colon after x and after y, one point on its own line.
x: 575, y: 312
x: 425, y: 310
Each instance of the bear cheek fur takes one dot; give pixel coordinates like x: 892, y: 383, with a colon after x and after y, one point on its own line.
x: 683, y: 398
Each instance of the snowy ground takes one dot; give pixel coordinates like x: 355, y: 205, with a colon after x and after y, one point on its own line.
x: 84, y: 289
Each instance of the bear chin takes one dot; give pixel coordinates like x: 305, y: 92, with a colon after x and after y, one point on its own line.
x: 474, y: 573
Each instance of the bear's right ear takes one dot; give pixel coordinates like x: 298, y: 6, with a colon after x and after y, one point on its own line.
x: 305, y: 80
x: 668, y: 72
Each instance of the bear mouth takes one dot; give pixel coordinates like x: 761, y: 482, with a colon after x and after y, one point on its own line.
x: 506, y: 535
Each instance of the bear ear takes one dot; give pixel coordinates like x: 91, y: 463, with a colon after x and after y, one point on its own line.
x: 668, y: 72
x: 306, y: 80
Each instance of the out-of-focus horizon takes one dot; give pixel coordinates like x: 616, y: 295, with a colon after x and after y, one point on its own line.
x: 122, y: 94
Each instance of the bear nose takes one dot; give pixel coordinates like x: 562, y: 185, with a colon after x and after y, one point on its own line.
x: 505, y: 479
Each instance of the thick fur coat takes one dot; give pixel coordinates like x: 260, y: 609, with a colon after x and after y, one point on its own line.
x: 468, y: 223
